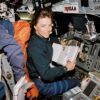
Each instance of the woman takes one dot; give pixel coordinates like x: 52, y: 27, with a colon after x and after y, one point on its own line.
x: 40, y: 58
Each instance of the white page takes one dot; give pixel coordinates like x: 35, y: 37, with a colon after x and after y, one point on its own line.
x: 57, y: 48
x: 72, y: 52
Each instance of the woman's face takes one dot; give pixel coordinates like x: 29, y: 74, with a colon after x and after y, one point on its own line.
x: 44, y: 27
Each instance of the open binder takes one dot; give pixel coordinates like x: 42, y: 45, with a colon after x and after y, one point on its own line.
x: 63, y: 54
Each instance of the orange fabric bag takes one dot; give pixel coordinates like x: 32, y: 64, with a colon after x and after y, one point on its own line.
x: 22, y: 34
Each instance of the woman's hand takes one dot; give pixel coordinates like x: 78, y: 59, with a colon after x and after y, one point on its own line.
x: 85, y: 82
x: 70, y: 65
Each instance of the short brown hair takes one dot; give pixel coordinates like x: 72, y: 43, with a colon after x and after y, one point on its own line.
x: 41, y: 13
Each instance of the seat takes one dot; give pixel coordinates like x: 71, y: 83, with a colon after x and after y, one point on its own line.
x: 14, y: 91
x: 8, y: 57
x: 22, y: 35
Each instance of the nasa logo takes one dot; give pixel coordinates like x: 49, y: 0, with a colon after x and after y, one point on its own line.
x: 70, y: 8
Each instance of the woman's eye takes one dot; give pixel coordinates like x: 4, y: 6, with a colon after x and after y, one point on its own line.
x: 46, y: 25
x: 43, y: 25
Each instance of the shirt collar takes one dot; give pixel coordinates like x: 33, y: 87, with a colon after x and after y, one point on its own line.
x: 40, y: 37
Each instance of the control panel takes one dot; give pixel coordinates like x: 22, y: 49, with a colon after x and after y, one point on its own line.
x: 89, y: 58
x: 75, y: 94
x: 91, y: 91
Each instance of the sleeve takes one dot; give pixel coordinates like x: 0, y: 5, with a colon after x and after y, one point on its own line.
x: 16, y: 59
x: 42, y: 64
x: 13, y: 51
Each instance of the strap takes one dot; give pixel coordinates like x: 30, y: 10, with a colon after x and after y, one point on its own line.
x: 7, y: 72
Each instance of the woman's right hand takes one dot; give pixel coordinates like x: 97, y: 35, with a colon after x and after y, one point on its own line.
x: 70, y: 65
